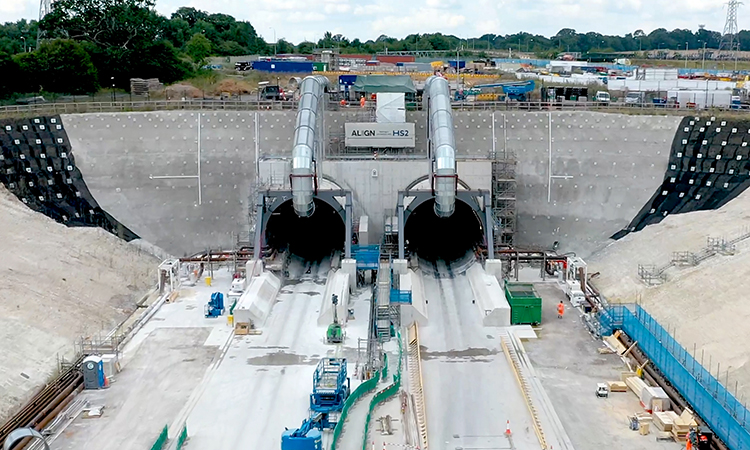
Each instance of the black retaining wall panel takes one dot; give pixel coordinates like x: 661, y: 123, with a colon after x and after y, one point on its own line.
x: 37, y: 165
x: 709, y: 165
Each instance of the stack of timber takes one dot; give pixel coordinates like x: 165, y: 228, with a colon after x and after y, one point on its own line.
x: 681, y: 425
x: 663, y: 420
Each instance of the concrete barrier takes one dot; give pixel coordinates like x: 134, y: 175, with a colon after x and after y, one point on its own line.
x: 489, y: 297
x: 257, y: 302
x: 337, y: 283
x: 417, y: 311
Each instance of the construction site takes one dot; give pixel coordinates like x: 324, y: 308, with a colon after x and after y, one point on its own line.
x: 404, y: 272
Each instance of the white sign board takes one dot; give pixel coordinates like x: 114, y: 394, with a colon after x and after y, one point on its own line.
x: 390, y: 107
x: 380, y: 135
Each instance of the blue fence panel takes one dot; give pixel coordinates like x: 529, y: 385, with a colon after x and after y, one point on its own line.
x: 398, y: 296
x: 712, y: 401
x: 367, y: 256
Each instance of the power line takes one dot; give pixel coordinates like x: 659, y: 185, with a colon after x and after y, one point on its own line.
x: 730, y: 26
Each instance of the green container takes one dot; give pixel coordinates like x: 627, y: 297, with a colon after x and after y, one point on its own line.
x: 319, y: 66
x: 525, y: 304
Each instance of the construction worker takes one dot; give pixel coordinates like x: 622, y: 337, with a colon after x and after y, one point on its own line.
x: 362, y: 101
x: 560, y: 310
x: 343, y: 102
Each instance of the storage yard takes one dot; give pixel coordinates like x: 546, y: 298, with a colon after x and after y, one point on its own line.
x: 376, y: 266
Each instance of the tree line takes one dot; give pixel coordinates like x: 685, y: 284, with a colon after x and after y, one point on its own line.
x: 87, y: 45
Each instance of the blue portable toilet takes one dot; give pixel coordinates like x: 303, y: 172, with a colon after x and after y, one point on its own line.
x: 93, y: 372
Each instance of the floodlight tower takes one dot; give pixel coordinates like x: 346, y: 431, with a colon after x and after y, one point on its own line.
x: 730, y: 26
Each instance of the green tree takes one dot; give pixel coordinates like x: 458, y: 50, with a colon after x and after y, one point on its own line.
x: 60, y: 66
x: 29, y: 71
x: 9, y: 75
x: 198, y: 48
x: 109, y: 23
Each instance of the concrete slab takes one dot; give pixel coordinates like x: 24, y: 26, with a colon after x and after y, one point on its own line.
x: 470, y: 389
x: 264, y: 382
x: 565, y: 357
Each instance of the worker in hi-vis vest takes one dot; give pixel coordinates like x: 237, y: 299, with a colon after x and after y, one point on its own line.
x: 560, y: 310
x: 362, y: 101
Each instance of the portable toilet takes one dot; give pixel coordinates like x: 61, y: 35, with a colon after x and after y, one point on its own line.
x: 93, y: 372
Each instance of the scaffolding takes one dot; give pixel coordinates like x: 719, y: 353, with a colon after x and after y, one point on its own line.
x: 652, y: 274
x: 504, y: 201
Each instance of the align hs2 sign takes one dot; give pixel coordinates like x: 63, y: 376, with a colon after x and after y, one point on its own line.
x: 379, y: 135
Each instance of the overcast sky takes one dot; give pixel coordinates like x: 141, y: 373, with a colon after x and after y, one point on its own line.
x: 297, y: 20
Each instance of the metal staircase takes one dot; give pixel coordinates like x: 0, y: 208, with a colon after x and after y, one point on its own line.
x: 383, y: 308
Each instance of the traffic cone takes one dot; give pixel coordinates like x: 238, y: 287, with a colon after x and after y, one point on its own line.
x: 507, y: 428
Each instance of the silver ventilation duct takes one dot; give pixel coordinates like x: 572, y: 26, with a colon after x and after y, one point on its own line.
x: 311, y: 101
x: 437, y: 97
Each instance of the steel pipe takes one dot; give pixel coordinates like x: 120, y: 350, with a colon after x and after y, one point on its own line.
x: 312, y: 91
x: 437, y: 99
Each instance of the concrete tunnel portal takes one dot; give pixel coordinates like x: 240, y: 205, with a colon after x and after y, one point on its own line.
x: 310, y: 238
x: 448, y: 239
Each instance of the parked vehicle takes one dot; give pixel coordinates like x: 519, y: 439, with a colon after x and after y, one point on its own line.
x: 602, y: 97
x: 268, y: 91
x: 634, y: 98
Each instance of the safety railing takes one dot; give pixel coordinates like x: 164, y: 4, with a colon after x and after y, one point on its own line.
x: 138, y: 106
x: 623, y: 108
x: 367, y: 256
x: 416, y: 385
x: 361, y: 390
x: 161, y: 440
x: 182, y: 437
x: 711, y: 400
x: 43, y: 109
x: 386, y: 393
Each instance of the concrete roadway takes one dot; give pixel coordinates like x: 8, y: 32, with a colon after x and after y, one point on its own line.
x: 470, y: 389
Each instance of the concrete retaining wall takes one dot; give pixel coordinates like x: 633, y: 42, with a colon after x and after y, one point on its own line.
x: 336, y: 283
x: 489, y: 297
x: 417, y: 311
x: 604, y: 168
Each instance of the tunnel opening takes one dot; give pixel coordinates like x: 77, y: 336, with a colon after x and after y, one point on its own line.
x: 452, y: 240
x: 307, y: 238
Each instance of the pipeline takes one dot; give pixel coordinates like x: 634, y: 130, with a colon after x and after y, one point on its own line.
x: 437, y: 98
x: 312, y: 90
x: 45, y: 405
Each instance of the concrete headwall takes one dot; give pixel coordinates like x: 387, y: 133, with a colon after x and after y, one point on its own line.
x: 582, y: 177
x: 375, y: 183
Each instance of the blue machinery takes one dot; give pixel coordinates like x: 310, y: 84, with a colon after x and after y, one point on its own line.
x: 215, y: 306
x: 331, y: 388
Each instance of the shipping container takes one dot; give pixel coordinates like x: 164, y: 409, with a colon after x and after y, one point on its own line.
x: 395, y: 59
x: 320, y: 66
x: 525, y: 304
x: 283, y: 66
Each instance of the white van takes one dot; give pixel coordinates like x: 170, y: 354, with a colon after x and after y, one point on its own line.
x: 602, y: 97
